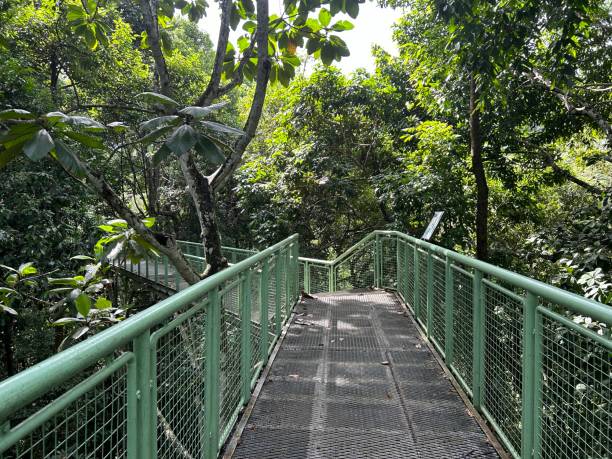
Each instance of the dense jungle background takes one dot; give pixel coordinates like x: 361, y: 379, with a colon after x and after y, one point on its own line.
x: 497, y: 113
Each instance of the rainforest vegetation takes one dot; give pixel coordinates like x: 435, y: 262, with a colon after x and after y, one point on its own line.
x: 123, y: 128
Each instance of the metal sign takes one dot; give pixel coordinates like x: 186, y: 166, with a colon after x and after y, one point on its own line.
x: 433, y: 224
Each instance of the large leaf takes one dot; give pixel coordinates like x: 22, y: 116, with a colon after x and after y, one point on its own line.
x: 8, y: 155
x: 154, y: 98
x: 38, y: 146
x: 161, y: 155
x: 103, y: 303
x: 201, y: 112
x: 85, y: 123
x: 209, y: 150
x: 154, y: 135
x: 222, y: 128
x: 85, y: 139
x: 182, y: 139
x: 68, y: 159
x: 16, y: 114
x: 27, y: 269
x: 83, y: 304
x: 158, y: 122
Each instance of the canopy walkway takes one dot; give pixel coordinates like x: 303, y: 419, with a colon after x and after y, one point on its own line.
x: 353, y: 377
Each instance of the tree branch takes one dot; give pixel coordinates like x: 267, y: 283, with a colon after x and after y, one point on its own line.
x: 149, y: 15
x: 221, y: 175
x: 210, y: 93
x: 574, y: 105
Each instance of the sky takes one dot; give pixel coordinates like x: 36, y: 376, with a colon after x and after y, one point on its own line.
x: 372, y: 26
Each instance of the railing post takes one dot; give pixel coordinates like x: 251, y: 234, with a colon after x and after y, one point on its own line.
x: 277, y: 294
x: 377, y: 262
x: 156, y: 269
x: 406, y: 273
x: 166, y: 280
x: 448, y: 311
x: 478, y: 324
x: 288, y: 280
x: 417, y: 282
x: 398, y: 271
x: 245, y: 337
x: 430, y: 293
x: 212, y: 386
x: 264, y: 298
x: 141, y: 437
x: 332, y: 278
x: 296, y: 271
x: 530, y: 303
x: 537, y: 385
x: 306, y: 277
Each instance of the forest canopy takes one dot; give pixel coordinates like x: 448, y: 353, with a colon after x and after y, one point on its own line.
x: 124, y: 128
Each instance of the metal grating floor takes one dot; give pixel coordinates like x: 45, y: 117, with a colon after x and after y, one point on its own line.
x: 353, y: 379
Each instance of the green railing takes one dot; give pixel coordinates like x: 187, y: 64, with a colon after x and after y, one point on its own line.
x: 535, y: 360
x: 159, y: 269
x: 169, y: 381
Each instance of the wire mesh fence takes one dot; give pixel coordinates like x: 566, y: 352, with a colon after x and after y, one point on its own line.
x: 167, y: 382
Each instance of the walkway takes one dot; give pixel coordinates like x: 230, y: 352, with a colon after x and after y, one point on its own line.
x: 353, y: 379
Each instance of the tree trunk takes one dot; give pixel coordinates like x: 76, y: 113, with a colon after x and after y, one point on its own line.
x: 482, y: 189
x: 202, y: 196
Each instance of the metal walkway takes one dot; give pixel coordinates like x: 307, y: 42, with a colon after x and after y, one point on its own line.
x: 354, y: 379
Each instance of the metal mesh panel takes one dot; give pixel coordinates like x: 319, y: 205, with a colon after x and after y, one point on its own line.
x: 576, y: 393
x: 357, y: 270
x: 230, y: 355
x: 462, y: 325
x: 96, y: 421
x: 256, y: 362
x: 180, y: 388
x: 388, y: 248
x: 319, y: 279
x: 402, y: 274
x: 438, y: 306
x: 502, y: 362
x: 422, y: 313
x: 301, y: 268
x: 410, y: 276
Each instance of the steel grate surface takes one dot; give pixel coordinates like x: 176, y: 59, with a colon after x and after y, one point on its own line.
x: 353, y: 379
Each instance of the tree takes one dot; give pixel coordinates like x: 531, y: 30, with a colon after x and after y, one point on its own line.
x: 265, y: 53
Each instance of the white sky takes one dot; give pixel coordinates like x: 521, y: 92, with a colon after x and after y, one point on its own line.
x: 372, y: 26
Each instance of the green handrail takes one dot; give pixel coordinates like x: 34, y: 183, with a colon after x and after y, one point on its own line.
x: 534, y: 359
x: 131, y: 369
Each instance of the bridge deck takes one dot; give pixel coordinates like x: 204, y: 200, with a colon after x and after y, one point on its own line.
x: 354, y: 379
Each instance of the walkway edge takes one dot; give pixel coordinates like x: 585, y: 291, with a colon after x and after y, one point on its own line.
x: 466, y: 400
x: 234, y: 441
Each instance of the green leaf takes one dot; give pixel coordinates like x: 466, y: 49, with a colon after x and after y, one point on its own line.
x: 26, y: 269
x: 209, y: 150
x: 342, y: 25
x: 85, y: 139
x: 80, y: 332
x: 8, y: 155
x: 103, y: 303
x: 16, y: 114
x: 182, y: 139
x: 83, y: 304
x: 161, y: 155
x: 222, y: 128
x: 154, y: 135
x: 153, y: 98
x: 71, y: 281
x: 85, y: 123
x: 68, y: 159
x: 117, y: 223
x: 201, y: 112
x: 6, y: 290
x: 38, y: 146
x: 149, y: 222
x: 324, y: 17
x: 327, y: 53
x: 156, y: 123
x: 55, y: 116
x: 83, y: 257
x: 8, y: 310
x: 352, y: 8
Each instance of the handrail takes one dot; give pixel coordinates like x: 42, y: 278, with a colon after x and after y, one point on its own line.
x: 517, y: 345
x: 23, y: 388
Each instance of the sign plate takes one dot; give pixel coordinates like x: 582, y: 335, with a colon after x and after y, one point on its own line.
x: 433, y: 224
